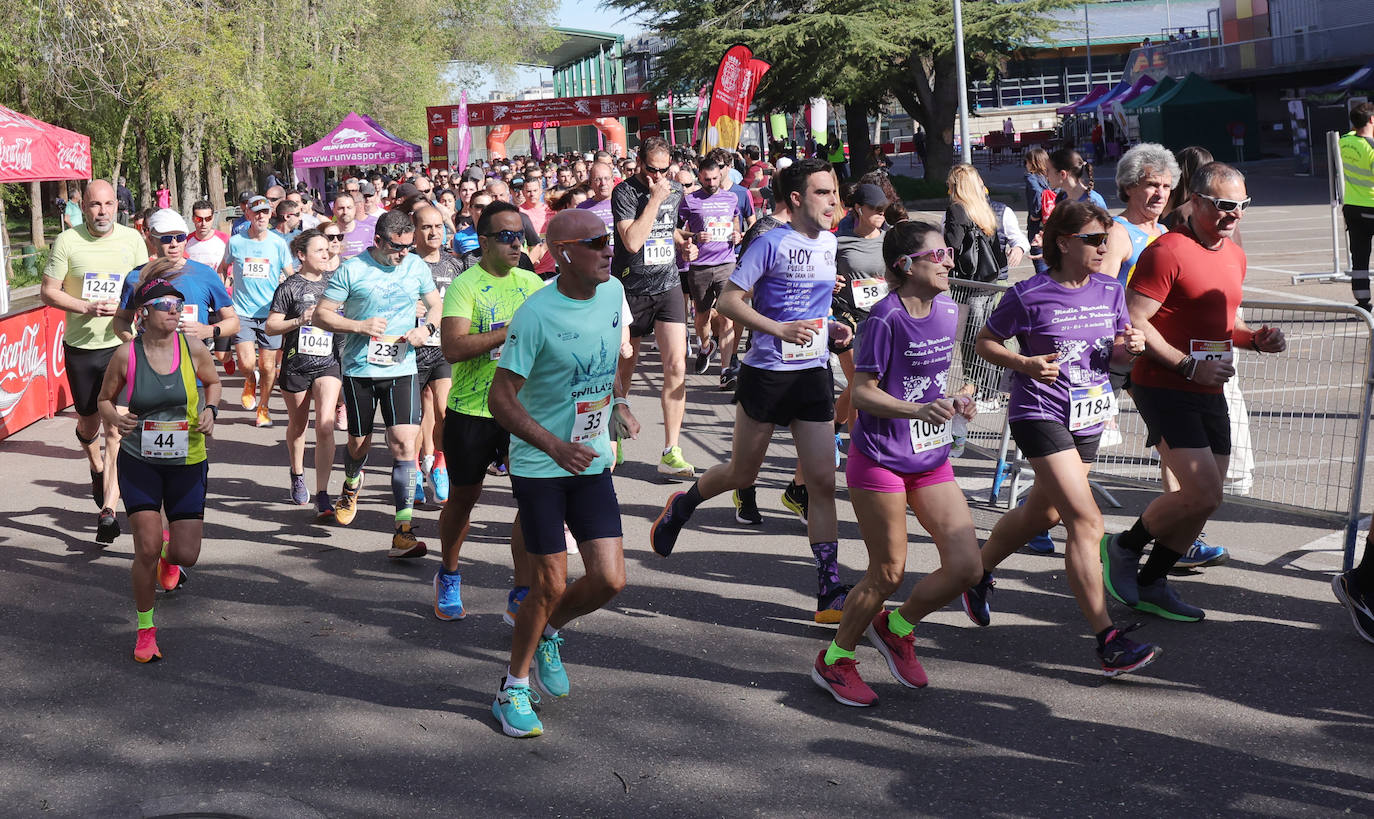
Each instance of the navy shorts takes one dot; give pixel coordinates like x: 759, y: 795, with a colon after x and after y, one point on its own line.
x: 586, y: 503
x: 177, y: 489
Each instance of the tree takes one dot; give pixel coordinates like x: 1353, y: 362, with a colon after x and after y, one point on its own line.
x: 859, y: 53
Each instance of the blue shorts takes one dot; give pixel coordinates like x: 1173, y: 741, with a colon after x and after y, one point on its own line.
x: 177, y: 489
x: 586, y: 503
x: 254, y: 331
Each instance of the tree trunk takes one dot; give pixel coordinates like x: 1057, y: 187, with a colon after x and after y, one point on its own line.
x: 171, y: 177
x: 860, y: 145
x: 192, y: 146
x: 214, y: 173
x: 931, y: 97
x: 243, y: 172
x: 145, y: 181
x: 36, y: 214
x: 119, y: 150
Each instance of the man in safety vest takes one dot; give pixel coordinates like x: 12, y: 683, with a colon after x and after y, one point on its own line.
x: 1357, y: 161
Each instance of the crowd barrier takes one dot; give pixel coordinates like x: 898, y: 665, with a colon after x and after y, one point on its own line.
x: 1299, y: 419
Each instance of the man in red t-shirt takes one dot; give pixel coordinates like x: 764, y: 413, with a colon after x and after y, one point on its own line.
x: 1184, y: 295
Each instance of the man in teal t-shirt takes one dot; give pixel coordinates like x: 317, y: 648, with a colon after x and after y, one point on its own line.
x: 555, y: 390
x: 258, y: 260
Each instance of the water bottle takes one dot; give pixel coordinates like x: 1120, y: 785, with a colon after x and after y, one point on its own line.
x: 309, y: 300
x: 959, y: 430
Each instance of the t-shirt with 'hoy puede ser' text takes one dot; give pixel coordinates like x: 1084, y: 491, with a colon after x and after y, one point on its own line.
x: 792, y: 278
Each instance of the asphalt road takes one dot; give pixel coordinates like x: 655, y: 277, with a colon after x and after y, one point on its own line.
x: 305, y: 674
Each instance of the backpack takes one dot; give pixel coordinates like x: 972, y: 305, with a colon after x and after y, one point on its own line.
x: 1047, y: 200
x: 980, y: 257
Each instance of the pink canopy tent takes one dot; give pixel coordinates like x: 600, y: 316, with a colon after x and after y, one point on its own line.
x: 356, y: 140
x: 1093, y: 95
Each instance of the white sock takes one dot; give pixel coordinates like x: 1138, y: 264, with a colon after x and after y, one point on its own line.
x: 428, y: 464
x: 513, y: 681
x: 550, y: 631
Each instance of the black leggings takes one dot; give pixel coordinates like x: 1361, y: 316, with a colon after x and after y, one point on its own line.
x: 1359, y: 227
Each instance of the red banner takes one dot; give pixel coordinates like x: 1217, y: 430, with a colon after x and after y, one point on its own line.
x: 736, y: 80
x: 33, y: 372
x: 525, y: 113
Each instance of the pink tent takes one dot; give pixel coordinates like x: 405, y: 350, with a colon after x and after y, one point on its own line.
x: 1093, y: 95
x: 357, y: 140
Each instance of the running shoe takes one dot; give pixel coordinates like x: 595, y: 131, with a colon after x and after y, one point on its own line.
x: 324, y: 507
x: 843, y: 682
x: 513, y: 708
x: 438, y: 477
x: 497, y: 470
x: 978, y: 600
x: 170, y: 576
x: 98, y: 488
x: 404, y: 545
x: 704, y: 353
x: 1363, y: 305
x: 1120, y: 654
x: 1119, y: 569
x: 1041, y: 544
x: 1357, y: 602
x: 1160, y: 599
x: 746, y: 506
x: 729, y: 380
x: 1201, y: 554
x: 264, y: 418
x: 795, y: 498
x: 347, y: 506
x: 249, y: 399
x: 837, y: 450
x: 830, y: 607
x: 663, y: 534
x: 900, y: 652
x: 106, y: 526
x: 673, y: 465
x: 299, y: 494
x: 421, y: 495
x: 547, y: 672
x: 145, y: 648
x: 448, y: 596
x: 230, y: 366
x: 513, y: 599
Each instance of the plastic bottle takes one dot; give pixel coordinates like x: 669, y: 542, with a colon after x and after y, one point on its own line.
x: 959, y: 430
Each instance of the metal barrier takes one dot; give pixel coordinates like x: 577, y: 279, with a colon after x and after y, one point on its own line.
x: 1299, y: 419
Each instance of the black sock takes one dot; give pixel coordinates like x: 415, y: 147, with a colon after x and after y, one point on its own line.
x: 1135, y: 538
x: 1157, y: 565
x: 1364, y: 573
x: 688, y: 503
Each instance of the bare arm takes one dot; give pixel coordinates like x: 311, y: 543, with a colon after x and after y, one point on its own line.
x: 53, y: 295
x: 459, y: 344
x: 1118, y: 249
x: 204, y: 365
x: 123, y: 324
x: 872, y: 399
x: 1209, y: 373
x: 511, y: 414
x: 115, y: 379
x: 327, y: 317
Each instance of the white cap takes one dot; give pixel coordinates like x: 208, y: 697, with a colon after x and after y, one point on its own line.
x: 784, y: 162
x: 167, y: 221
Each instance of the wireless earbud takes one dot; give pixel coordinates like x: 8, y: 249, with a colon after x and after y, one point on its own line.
x: 565, y: 256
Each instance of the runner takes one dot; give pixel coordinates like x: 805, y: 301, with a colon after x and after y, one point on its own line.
x: 207, y: 244
x: 645, y: 209
x: 377, y: 292
x: 433, y: 370
x: 357, y: 237
x: 1069, y: 324
x: 86, y: 269
x: 712, y: 218
x: 860, y: 283
x: 1073, y: 177
x: 310, y: 368
x: 1184, y: 295
x: 602, y: 180
x: 477, y: 309
x: 259, y: 260
x: 150, y: 394
x: 556, y: 390
x: 785, y: 381
x: 899, y: 458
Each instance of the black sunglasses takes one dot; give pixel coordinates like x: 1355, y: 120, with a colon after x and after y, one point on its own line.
x: 506, y: 237
x: 333, y: 237
x: 399, y: 248
x: 651, y: 169
x: 1092, y: 239
x: 170, y: 238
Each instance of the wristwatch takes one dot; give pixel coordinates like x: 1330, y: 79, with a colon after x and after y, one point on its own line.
x: 431, y: 328
x: 213, y: 410
x: 215, y: 327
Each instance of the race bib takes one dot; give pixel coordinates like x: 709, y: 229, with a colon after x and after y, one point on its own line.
x: 1211, y: 350
x: 658, y: 250
x: 719, y: 230
x: 868, y: 292
x: 385, y: 351
x: 1090, y: 406
x: 590, y: 419
x: 165, y: 439
x: 926, y: 436
x: 190, y: 312
x: 314, y: 341
x: 257, y: 269
x: 811, y: 349
x: 101, y: 286
x: 495, y: 353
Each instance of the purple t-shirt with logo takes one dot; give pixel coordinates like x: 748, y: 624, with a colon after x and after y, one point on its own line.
x: 1079, y: 323
x: 911, y: 357
x: 603, y: 210
x: 714, y: 214
x: 358, y: 239
x: 792, y: 278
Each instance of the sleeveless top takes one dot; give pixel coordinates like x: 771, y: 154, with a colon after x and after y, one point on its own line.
x: 168, y: 409
x: 1139, y: 240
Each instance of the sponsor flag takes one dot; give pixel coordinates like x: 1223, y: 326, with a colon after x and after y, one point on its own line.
x: 464, y: 133
x: 737, y: 78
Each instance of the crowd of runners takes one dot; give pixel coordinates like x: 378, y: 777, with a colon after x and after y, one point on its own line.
x: 494, y: 317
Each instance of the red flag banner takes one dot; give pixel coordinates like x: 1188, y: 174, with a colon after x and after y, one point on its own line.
x: 736, y: 80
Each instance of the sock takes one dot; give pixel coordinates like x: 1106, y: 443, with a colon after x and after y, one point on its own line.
x: 298, y: 474
x: 1103, y: 635
x: 834, y: 653
x: 898, y: 625
x: 688, y: 503
x: 827, y: 568
x: 520, y: 591
x: 1157, y: 565
x: 1135, y: 538
x: 667, y: 449
x: 427, y: 464
x: 353, y: 470
x: 448, y: 573
x: 550, y: 631
x: 513, y: 681
x: 403, y: 488
x: 439, y: 462
x: 145, y: 619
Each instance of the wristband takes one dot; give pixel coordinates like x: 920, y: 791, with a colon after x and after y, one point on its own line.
x: 215, y: 327
x: 213, y: 410
x: 622, y: 402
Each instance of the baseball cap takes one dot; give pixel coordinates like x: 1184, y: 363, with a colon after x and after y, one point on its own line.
x: 366, y: 188
x: 784, y: 162
x: 166, y: 221
x: 244, y: 196
x: 155, y: 289
x: 258, y: 204
x: 404, y: 191
x: 870, y: 195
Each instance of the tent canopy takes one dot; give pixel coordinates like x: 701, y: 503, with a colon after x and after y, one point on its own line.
x: 1199, y: 112
x: 34, y: 151
x: 1145, y: 97
x: 1098, y: 91
x: 1361, y: 80
x: 356, y: 140
x: 1142, y: 85
x: 1101, y: 102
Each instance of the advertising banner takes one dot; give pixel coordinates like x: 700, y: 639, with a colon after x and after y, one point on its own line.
x: 737, y: 78
x: 33, y: 374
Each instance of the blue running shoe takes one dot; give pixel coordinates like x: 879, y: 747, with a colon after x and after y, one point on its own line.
x: 1041, y: 544
x: 1120, y: 654
x: 439, y: 479
x: 837, y: 450
x: 547, y: 672
x: 448, y: 596
x: 513, y: 604
x: 1120, y: 566
x: 1201, y: 554
x: 514, y: 709
x: 1160, y: 599
x: 977, y: 604
x: 663, y: 534
x: 420, y: 489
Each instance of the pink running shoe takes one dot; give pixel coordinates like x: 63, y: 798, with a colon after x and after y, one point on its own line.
x: 169, y: 575
x: 145, y: 650
x: 900, y: 652
x: 843, y: 682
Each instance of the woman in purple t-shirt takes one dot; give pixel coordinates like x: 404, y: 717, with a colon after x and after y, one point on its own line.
x: 899, y: 457
x: 1070, y: 325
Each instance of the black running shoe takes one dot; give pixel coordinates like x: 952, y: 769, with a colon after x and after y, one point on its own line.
x: 1357, y: 601
x: 746, y: 506
x: 795, y: 498
x: 106, y: 527
x: 1121, y: 654
x: 976, y: 600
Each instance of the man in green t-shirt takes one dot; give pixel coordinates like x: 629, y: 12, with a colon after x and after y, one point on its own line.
x: 85, y: 274
x: 477, y: 307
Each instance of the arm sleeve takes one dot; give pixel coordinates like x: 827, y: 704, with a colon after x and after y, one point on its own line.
x: 524, y: 338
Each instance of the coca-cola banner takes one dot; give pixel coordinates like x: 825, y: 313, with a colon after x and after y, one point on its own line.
x: 32, y: 150
x: 33, y: 373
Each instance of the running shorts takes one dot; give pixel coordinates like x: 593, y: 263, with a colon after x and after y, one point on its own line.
x: 471, y: 444
x: 86, y: 374
x: 586, y: 503
x: 1184, y: 420
x: 398, y: 397
x: 177, y: 489
x: 783, y: 396
x: 1037, y: 439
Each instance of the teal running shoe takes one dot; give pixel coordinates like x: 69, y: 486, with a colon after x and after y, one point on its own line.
x: 547, y: 673
x: 514, y: 709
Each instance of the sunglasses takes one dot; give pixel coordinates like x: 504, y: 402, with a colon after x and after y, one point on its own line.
x: 399, y: 248
x: 595, y: 242
x: 202, y: 220
x: 1091, y: 239
x: 506, y: 237
x: 333, y: 237
x: 1227, y: 205
x: 652, y: 169
x: 936, y: 254
x: 172, y: 238
x: 166, y: 304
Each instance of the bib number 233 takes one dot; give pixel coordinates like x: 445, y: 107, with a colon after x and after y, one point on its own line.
x: 385, y: 351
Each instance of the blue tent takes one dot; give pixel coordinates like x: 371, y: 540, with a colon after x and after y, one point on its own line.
x: 1121, y: 88
x: 1361, y: 80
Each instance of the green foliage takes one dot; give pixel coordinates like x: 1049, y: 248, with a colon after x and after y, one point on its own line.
x: 910, y: 188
